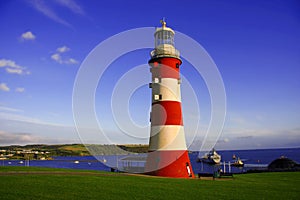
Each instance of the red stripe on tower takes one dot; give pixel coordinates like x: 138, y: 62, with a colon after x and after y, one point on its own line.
x: 168, y: 155
x: 166, y: 113
x: 165, y: 67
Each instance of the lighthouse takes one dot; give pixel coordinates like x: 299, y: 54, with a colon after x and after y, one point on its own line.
x: 168, y: 154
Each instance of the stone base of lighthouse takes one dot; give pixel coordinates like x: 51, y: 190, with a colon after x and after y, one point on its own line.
x: 169, y: 163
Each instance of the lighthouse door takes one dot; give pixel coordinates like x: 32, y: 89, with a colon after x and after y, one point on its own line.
x: 188, y: 169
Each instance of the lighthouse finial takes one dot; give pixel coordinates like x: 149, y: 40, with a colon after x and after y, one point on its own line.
x: 163, y: 22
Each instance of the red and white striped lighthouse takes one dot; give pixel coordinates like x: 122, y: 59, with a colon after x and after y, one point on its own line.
x: 168, y: 154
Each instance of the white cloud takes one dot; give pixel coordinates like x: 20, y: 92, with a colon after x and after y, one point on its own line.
x: 9, y: 63
x: 4, y: 87
x: 71, y: 61
x: 71, y: 5
x: 57, y: 58
x: 28, y: 36
x: 7, y: 138
x: 63, y: 59
x: 24, y: 138
x: 239, y: 138
x: 22, y: 118
x: 15, y: 124
x: 20, y: 89
x: 46, y: 10
x: 12, y: 68
x: 2, y: 108
x: 63, y: 49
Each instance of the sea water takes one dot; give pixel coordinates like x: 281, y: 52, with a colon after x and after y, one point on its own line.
x: 258, y: 159
x: 253, y: 159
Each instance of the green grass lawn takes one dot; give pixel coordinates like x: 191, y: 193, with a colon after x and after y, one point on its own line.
x: 102, y: 185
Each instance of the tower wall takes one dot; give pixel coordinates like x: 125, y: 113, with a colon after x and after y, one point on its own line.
x: 168, y: 155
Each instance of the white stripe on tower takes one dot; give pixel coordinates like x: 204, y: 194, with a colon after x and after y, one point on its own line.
x: 167, y: 137
x: 170, y: 89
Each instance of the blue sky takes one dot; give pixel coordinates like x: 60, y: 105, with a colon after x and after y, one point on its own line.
x: 255, y: 45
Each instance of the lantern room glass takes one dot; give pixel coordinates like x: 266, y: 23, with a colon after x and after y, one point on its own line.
x: 164, y: 37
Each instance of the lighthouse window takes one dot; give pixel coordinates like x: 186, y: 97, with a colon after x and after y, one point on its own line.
x: 150, y: 85
x: 177, y: 65
x: 179, y: 80
x: 157, y: 80
x: 157, y: 97
x: 159, y: 38
x: 164, y: 37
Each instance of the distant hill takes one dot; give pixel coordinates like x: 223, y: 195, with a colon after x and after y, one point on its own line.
x: 79, y: 149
